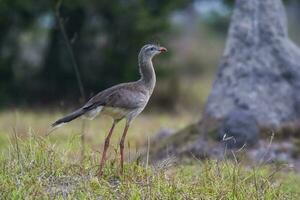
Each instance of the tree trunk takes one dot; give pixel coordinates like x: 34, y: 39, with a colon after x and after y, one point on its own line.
x: 257, y: 84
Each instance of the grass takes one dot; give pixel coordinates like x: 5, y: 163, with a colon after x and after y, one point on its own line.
x: 35, y: 122
x: 35, y: 167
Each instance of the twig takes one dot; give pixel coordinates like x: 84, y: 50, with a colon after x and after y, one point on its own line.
x: 82, y: 138
x: 148, y: 151
x: 17, y: 144
x: 15, y: 133
x: 70, y: 50
x: 75, y: 67
x: 147, y: 165
x: 262, y: 161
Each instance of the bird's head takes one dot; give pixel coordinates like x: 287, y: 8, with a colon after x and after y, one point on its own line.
x: 148, y: 51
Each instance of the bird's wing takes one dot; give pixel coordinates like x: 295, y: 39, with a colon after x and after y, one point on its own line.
x: 121, y: 97
x: 127, y: 98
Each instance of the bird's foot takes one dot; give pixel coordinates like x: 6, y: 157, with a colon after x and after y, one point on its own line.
x: 121, y: 170
x: 99, y: 173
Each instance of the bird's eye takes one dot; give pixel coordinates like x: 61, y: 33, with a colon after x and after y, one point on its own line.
x: 152, y: 49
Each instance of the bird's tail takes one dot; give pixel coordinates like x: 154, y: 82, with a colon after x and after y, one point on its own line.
x: 66, y: 119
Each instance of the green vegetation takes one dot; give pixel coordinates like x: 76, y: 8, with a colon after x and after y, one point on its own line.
x: 35, y: 167
x: 105, y: 35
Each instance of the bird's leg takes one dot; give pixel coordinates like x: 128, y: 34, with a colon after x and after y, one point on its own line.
x: 106, y: 145
x: 122, y: 145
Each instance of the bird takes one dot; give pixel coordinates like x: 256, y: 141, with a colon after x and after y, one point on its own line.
x: 122, y: 101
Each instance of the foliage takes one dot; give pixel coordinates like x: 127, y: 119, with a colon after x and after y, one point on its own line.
x: 105, y: 35
x: 35, y: 66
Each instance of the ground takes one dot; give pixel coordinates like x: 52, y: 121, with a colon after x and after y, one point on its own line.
x: 37, y: 167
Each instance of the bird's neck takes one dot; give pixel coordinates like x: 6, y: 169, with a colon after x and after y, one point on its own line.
x: 148, y: 77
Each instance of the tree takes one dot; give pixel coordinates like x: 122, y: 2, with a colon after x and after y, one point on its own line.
x: 106, y: 36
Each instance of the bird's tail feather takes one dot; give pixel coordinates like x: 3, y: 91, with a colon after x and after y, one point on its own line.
x: 65, y: 119
x: 69, y: 117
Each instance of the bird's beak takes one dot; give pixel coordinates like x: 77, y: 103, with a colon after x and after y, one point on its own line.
x: 162, y: 49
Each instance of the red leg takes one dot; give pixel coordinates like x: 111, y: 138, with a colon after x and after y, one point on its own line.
x: 106, y: 145
x: 122, y: 145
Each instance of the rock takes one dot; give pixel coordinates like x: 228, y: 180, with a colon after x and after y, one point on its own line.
x: 164, y: 132
x: 266, y: 152
x: 204, y: 148
x: 256, y: 88
x: 239, y: 128
x: 259, y: 71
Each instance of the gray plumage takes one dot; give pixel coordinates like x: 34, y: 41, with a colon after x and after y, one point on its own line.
x: 124, y: 100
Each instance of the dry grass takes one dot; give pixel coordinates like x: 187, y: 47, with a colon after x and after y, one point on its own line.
x: 37, y: 123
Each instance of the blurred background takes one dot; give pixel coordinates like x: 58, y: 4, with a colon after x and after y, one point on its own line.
x: 36, y: 68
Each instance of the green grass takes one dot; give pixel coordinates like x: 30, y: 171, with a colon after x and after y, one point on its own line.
x: 35, y: 167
